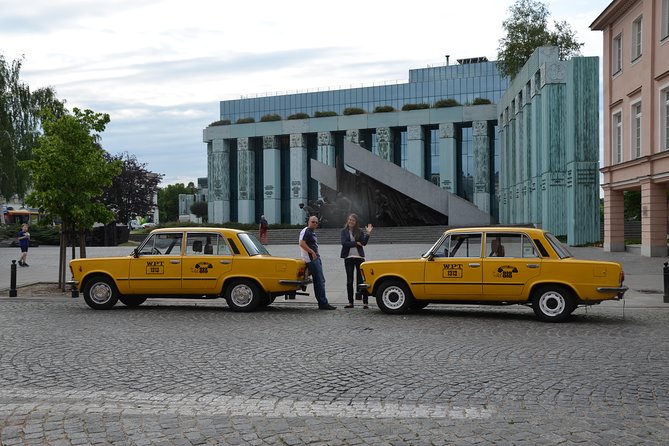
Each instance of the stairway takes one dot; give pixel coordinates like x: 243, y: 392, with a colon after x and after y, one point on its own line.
x: 386, y: 235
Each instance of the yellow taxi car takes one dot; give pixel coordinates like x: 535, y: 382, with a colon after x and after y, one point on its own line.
x: 494, y: 266
x: 190, y: 262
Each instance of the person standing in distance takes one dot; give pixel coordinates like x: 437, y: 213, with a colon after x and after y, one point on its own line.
x: 24, y: 241
x: 309, y: 251
x: 352, y: 241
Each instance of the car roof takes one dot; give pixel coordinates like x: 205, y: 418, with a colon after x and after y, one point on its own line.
x: 197, y: 229
x: 499, y: 229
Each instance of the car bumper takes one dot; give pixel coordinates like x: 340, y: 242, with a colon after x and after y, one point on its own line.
x: 620, y: 290
x: 298, y: 283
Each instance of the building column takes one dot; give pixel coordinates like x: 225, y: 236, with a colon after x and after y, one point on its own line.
x: 416, y: 150
x: 614, y: 220
x: 246, y: 204
x: 325, y: 153
x: 448, y: 158
x: 218, y: 172
x: 653, y: 219
x: 272, y: 179
x: 481, y: 165
x: 384, y: 143
x: 298, y: 177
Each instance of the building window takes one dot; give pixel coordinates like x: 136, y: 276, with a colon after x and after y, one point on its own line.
x: 636, y: 129
x: 665, y: 20
x: 636, y: 38
x: 617, y: 138
x: 664, y: 102
x: 617, y: 54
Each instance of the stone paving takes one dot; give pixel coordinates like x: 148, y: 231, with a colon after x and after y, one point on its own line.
x: 194, y: 372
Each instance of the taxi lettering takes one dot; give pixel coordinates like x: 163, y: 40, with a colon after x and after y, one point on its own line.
x: 155, y: 267
x: 452, y: 270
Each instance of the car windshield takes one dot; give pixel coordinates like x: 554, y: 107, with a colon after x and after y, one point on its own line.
x: 252, y: 244
x: 559, y: 248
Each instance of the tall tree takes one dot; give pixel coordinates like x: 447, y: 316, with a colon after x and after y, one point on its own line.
x: 132, y: 191
x: 19, y: 126
x: 200, y: 209
x: 526, y: 30
x: 168, y: 200
x: 70, y: 172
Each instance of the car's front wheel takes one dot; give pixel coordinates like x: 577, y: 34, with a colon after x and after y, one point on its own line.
x: 100, y: 293
x: 393, y: 297
x: 243, y: 295
x: 553, y: 303
x: 132, y: 301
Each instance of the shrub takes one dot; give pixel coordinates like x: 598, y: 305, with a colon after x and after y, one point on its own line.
x: 409, y: 107
x: 221, y: 122
x: 270, y: 117
x: 324, y: 114
x: 299, y: 116
x: 353, y: 111
x: 384, y: 109
x: 446, y: 103
x: 245, y: 120
x: 481, y: 101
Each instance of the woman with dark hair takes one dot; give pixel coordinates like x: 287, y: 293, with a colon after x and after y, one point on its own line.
x: 352, y: 241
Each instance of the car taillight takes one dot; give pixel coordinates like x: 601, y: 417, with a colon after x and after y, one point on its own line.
x: 301, y: 272
x: 622, y: 276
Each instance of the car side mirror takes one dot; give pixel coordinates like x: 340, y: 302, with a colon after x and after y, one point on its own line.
x: 135, y: 252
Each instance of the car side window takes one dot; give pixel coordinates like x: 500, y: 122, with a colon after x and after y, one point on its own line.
x: 509, y: 245
x: 198, y: 244
x: 162, y: 244
x: 460, y: 245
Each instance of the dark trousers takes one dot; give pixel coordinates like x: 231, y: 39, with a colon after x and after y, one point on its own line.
x: 351, y: 265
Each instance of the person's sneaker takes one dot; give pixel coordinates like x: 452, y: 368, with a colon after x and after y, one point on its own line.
x: 327, y: 307
x: 21, y: 263
x: 348, y: 306
x: 25, y: 264
x: 365, y: 307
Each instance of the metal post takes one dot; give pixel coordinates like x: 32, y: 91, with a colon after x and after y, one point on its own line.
x: 12, y: 280
x: 666, y: 282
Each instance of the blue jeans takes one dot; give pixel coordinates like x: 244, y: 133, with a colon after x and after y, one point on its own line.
x: 316, y: 269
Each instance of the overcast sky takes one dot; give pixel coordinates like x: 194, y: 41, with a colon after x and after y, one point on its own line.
x: 160, y: 67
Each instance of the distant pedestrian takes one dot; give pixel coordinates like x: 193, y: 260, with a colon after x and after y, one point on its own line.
x: 262, y: 229
x: 309, y: 251
x: 352, y: 241
x: 24, y: 241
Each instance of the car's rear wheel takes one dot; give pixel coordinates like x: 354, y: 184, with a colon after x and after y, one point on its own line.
x: 132, y: 301
x: 393, y: 297
x: 553, y: 303
x: 243, y: 295
x: 100, y: 293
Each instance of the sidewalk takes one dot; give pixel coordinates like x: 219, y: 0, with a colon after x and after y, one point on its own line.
x: 643, y: 275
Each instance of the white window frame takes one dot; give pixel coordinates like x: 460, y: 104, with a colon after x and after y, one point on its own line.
x: 664, y: 118
x: 617, y: 137
x: 617, y: 54
x: 637, y: 38
x: 636, y: 121
x: 664, y: 28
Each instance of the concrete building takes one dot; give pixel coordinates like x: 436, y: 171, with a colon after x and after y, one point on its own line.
x: 266, y: 167
x: 636, y: 118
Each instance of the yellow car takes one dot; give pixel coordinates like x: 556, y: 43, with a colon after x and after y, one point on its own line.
x: 190, y: 262
x: 494, y: 266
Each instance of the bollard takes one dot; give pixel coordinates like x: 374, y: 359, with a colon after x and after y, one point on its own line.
x: 12, y: 279
x: 666, y: 282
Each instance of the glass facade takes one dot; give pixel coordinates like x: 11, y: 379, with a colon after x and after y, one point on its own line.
x: 463, y: 83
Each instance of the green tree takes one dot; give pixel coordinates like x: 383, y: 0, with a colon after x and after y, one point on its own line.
x: 168, y: 200
x: 200, y: 209
x: 69, y: 173
x: 132, y: 191
x: 526, y: 30
x: 19, y: 126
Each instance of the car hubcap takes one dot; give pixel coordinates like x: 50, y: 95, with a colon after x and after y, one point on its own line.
x: 393, y: 297
x: 241, y: 295
x: 101, y: 293
x: 552, y: 304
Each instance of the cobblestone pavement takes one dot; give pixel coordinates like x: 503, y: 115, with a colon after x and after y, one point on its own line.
x: 170, y: 373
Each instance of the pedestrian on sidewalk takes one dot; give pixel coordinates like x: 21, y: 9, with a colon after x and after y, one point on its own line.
x: 353, y: 239
x: 309, y: 251
x: 24, y: 241
x: 262, y: 229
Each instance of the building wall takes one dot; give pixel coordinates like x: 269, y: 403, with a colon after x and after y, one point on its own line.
x: 549, y: 128
x: 636, y: 126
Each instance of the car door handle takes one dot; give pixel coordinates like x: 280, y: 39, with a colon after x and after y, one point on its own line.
x: 226, y: 262
x: 474, y: 265
x: 175, y: 261
x: 533, y: 265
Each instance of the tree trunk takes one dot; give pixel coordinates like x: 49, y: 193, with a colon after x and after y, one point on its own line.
x: 82, y: 243
x: 61, y: 260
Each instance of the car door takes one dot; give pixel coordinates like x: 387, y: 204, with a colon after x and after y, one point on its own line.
x: 157, y: 267
x: 453, y: 271
x: 511, y: 261
x: 207, y: 260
